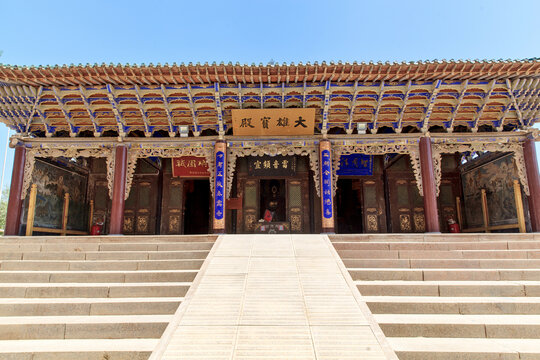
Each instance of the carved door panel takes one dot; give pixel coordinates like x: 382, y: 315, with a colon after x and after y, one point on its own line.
x: 140, y: 207
x: 172, y: 207
x: 295, y: 206
x: 251, y: 206
x: 448, y: 192
x: 406, y: 206
x: 101, y: 201
x: 373, y: 206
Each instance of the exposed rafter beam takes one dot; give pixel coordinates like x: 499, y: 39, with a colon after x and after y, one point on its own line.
x: 399, y: 125
x: 65, y: 111
x: 514, y: 102
x: 240, y: 102
x: 116, y: 111
x: 34, y: 106
x: 261, y: 93
x: 327, y: 93
x: 304, y: 95
x: 351, y: 109
x: 7, y: 115
x: 221, y: 127
x: 11, y: 100
x: 283, y: 95
x: 147, y: 131
x: 378, y: 106
x: 196, y: 131
x: 431, y: 104
x: 483, y: 105
x: 168, y: 109
x: 456, y: 108
x: 86, y: 103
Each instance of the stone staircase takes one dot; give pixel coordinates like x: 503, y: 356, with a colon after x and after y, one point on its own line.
x: 103, y: 298
x: 450, y: 296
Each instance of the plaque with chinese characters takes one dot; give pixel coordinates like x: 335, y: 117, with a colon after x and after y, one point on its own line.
x: 190, y: 166
x: 271, y: 165
x: 355, y: 164
x: 273, y: 121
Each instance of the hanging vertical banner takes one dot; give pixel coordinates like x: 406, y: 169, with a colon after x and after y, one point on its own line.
x: 355, y: 164
x: 326, y: 186
x: 219, y: 187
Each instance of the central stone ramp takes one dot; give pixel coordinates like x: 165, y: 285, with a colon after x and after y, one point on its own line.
x: 273, y: 297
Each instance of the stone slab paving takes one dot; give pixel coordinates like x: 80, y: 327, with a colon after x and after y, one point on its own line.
x: 273, y: 297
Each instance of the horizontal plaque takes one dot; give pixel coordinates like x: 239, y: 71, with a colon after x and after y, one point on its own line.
x: 272, y: 165
x: 190, y: 166
x: 356, y: 164
x: 273, y: 121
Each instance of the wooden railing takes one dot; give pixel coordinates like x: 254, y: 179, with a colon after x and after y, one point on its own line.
x: 30, y: 228
x: 485, y: 214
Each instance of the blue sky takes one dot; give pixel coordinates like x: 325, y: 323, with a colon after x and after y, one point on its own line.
x: 66, y: 32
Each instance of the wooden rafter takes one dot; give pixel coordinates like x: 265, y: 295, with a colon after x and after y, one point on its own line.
x: 218, y: 109
x: 456, y: 108
x: 378, y: 106
x: 168, y: 110
x: 116, y: 111
x: 480, y: 111
x: 304, y: 95
x: 86, y: 103
x: 399, y: 125
x: 327, y: 93
x: 240, y: 102
x: 14, y: 104
x: 140, y: 104
x: 283, y: 95
x: 431, y: 104
x: 514, y: 102
x: 353, y: 106
x: 34, y: 106
x: 65, y: 111
x: 261, y: 93
x: 196, y: 131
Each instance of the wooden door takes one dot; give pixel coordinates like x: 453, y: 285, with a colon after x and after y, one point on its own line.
x: 373, y: 205
x: 171, y: 213
x: 294, y: 203
x: 406, y: 206
x: 140, y: 208
x: 251, y: 204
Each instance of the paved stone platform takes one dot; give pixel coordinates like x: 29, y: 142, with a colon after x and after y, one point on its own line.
x: 273, y: 297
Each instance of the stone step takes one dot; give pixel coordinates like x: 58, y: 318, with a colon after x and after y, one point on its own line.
x: 444, y: 274
x: 88, y: 306
x: 109, y: 239
x: 444, y: 246
x: 444, y: 263
x: 105, y: 255
x: 458, y: 325
x: 420, y: 348
x: 80, y: 349
x: 452, y: 305
x: 87, y: 247
x: 82, y: 327
x: 97, y: 276
x: 92, y: 290
x: 401, y: 238
x: 439, y: 254
x: 100, y: 265
x: 448, y: 288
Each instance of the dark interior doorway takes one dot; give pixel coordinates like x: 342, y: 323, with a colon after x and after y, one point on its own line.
x: 349, y: 206
x: 196, y: 206
x: 273, y: 206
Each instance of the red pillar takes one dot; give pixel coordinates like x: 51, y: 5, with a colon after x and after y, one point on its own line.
x: 531, y: 165
x: 325, y: 178
x: 220, y: 183
x: 429, y: 186
x: 119, y: 191
x: 13, y: 217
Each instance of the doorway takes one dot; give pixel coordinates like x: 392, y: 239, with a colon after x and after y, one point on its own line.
x: 349, y: 206
x: 273, y: 207
x: 196, y: 206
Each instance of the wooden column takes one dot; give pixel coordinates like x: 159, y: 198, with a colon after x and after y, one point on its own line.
x: 429, y: 186
x: 325, y: 178
x: 13, y: 217
x: 531, y: 165
x: 220, y: 183
x: 119, y: 190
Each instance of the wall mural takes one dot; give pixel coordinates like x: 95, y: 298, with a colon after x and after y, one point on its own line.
x: 497, y: 178
x: 52, y: 183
